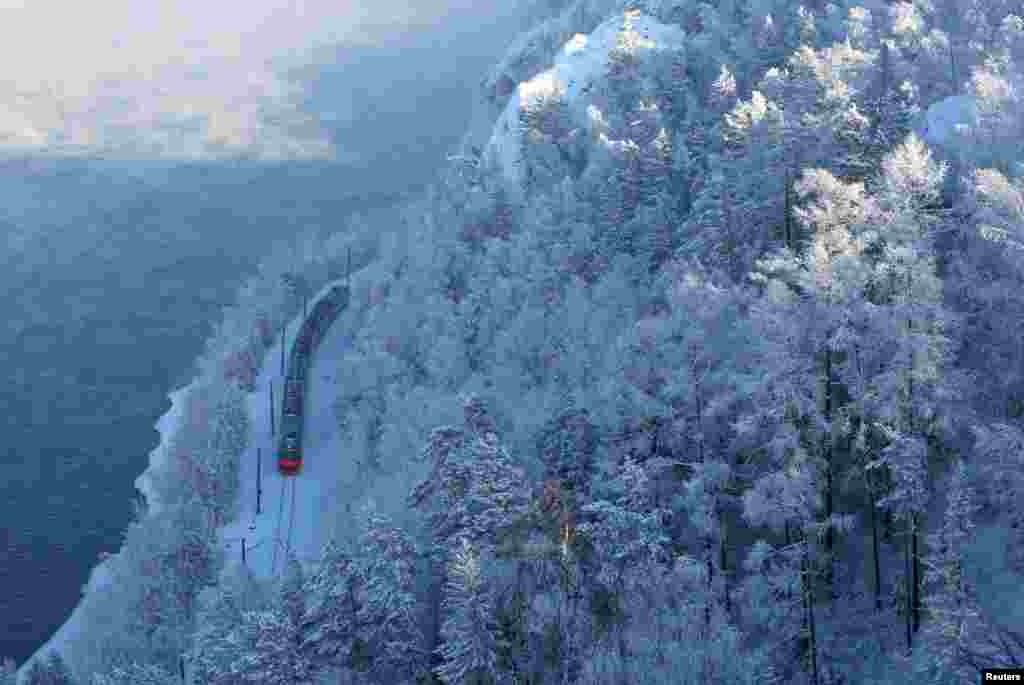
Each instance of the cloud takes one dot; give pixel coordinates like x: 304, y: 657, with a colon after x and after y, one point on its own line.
x: 185, y: 78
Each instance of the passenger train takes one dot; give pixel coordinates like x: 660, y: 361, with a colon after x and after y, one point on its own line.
x: 314, y: 327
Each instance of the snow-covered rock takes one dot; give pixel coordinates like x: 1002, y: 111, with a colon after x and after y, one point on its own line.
x: 168, y: 426
x: 948, y: 122
x: 577, y: 76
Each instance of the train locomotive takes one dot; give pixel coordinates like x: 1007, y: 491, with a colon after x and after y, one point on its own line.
x: 325, y: 311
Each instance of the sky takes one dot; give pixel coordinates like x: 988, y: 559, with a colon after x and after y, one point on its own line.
x: 195, y: 79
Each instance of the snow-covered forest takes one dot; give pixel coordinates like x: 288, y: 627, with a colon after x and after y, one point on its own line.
x: 703, y: 363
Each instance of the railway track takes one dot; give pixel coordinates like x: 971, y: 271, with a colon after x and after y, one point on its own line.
x: 290, y: 453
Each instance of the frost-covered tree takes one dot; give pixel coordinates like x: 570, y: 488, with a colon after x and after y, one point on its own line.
x: 271, y: 649
x: 621, y: 535
x: 985, y: 282
x: 8, y: 672
x: 292, y: 592
x: 136, y: 674
x: 52, y: 671
x: 171, y: 557
x: 470, y: 648
x: 387, y: 618
x: 474, y: 488
x: 788, y: 501
x: 567, y: 446
x: 753, y: 133
x: 912, y: 387
x: 334, y: 599
x: 675, y: 398
x: 951, y: 600
x: 772, y: 600
x: 823, y: 125
x: 1001, y: 465
x: 812, y: 320
x: 206, y: 455
x: 905, y: 458
x: 216, y: 643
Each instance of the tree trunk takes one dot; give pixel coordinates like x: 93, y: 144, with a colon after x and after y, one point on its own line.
x: 916, y: 567
x: 708, y: 542
x: 710, y: 567
x: 722, y: 567
x: 787, y: 226
x: 907, y: 592
x: 829, y: 501
x: 808, y: 593
x: 874, y: 547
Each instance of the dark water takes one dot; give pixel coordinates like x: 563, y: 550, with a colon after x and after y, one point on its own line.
x: 103, y: 313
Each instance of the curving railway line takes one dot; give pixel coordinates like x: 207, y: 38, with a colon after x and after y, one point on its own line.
x: 314, y: 327
x: 289, y: 449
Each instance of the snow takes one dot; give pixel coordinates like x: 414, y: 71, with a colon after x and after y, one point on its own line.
x: 312, y: 487
x: 579, y: 68
x: 947, y: 122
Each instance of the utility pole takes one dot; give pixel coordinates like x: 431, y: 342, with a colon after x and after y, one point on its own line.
x: 243, y: 551
x: 282, y: 348
x: 259, y: 478
x: 271, y: 408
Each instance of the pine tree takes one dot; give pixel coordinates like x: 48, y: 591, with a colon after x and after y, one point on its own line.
x: 216, y: 642
x: 773, y: 600
x: 812, y: 321
x: 623, y: 537
x: 470, y: 648
x: 985, y: 279
x: 8, y: 672
x: 567, y: 447
x: 334, y: 598
x: 789, y: 500
x: 271, y: 649
x: 388, y: 621
x: 475, y: 488
x: 136, y: 674
x: 906, y: 459
x: 951, y: 603
x: 753, y: 135
x: 912, y: 386
x: 53, y: 671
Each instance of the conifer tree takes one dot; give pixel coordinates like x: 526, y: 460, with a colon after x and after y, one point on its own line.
x: 8, y: 672
x: 52, y: 671
x: 137, y: 674
x: 951, y: 602
x: 271, y: 649
x: 334, y: 598
x: 387, y: 619
x: 470, y: 648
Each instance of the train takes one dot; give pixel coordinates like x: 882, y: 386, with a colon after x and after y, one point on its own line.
x: 312, y: 331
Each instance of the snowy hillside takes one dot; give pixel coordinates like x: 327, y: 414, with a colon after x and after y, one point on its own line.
x: 577, y: 79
